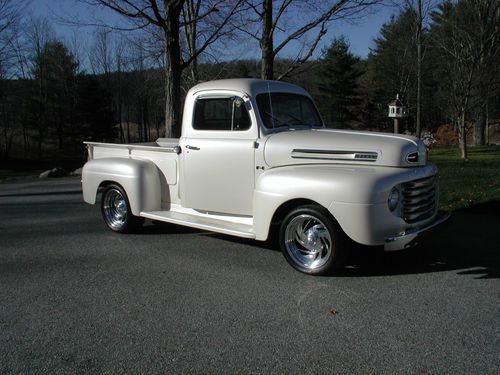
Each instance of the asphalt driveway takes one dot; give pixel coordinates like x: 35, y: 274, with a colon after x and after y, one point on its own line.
x: 75, y: 298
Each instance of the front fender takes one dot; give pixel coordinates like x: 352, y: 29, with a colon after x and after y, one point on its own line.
x: 139, y: 178
x: 335, y: 187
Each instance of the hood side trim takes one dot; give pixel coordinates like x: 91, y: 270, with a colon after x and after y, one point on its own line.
x: 335, y: 155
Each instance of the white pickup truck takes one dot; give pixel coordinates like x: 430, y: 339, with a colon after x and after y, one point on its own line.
x: 254, y: 156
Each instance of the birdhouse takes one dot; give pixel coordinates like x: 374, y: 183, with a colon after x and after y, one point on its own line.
x: 397, y: 109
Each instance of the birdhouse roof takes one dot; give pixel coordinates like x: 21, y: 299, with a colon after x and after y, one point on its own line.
x: 396, y: 103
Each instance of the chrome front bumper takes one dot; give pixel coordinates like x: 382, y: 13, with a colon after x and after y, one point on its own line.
x: 410, y: 237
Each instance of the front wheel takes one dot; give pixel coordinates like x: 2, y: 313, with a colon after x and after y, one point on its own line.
x: 116, y: 210
x: 311, y: 241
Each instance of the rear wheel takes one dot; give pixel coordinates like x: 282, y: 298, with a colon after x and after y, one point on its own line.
x: 116, y: 210
x: 311, y: 240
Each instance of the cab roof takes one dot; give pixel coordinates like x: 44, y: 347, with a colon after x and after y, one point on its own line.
x: 250, y: 86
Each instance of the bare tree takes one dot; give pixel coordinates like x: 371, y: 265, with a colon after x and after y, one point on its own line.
x: 101, y: 53
x: 487, y: 37
x: 421, y: 10
x: 38, y: 34
x: 11, y: 12
x: 292, y: 21
x: 120, y: 66
x: 216, y: 26
x: 165, y: 17
x: 467, y: 33
x: 419, y: 66
x: 10, y: 16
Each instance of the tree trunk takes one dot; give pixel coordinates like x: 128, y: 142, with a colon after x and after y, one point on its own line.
x: 128, y: 124
x: 120, y: 104
x: 462, y: 130
x: 172, y: 73
x: 145, y: 120
x: 487, y: 126
x: 479, y: 127
x: 59, y: 128
x: 191, y: 31
x: 419, y: 68
x: 266, y: 41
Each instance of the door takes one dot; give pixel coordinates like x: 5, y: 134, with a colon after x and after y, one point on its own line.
x: 219, y: 157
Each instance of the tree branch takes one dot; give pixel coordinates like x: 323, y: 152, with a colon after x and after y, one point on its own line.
x: 299, y: 61
x: 213, y: 37
x: 136, y: 12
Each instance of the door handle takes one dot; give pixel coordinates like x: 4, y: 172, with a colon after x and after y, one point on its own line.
x: 192, y: 147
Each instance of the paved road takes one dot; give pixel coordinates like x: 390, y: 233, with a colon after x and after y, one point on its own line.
x: 75, y: 297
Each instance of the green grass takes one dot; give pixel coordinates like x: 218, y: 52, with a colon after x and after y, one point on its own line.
x: 467, y: 183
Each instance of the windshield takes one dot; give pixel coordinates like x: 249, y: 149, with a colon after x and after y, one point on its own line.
x: 290, y: 110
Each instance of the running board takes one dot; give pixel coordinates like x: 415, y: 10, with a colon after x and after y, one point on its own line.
x: 195, y: 221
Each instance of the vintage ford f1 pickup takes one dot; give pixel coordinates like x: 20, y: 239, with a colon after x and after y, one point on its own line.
x: 254, y: 156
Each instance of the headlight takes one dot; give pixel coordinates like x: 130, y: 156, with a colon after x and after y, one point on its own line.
x: 393, y: 200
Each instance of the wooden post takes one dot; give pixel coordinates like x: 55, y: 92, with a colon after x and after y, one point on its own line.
x: 396, y: 125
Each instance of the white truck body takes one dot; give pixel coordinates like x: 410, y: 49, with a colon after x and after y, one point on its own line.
x: 241, y: 179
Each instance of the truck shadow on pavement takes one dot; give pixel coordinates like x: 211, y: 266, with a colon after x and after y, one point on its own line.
x: 469, y: 243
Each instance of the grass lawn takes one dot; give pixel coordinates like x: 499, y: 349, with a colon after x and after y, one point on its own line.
x: 466, y: 183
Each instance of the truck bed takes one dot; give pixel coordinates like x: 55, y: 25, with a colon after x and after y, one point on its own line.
x: 163, y: 153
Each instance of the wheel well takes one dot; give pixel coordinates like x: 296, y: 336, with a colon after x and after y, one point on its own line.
x: 288, y: 206
x: 103, y: 185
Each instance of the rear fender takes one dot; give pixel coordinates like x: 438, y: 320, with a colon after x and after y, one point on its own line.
x: 139, y: 178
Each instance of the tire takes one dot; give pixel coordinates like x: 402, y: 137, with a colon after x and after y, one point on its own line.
x: 311, y: 241
x: 116, y: 212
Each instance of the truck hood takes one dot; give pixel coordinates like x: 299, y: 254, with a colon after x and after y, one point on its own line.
x: 318, y: 146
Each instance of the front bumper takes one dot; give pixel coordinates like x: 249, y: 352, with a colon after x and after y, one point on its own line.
x: 410, y: 237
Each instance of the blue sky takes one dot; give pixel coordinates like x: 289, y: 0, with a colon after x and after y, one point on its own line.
x: 359, y: 34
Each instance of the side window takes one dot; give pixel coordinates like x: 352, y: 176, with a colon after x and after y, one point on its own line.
x: 227, y: 114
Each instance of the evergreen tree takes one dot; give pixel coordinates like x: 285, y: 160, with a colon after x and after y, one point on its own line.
x: 392, y: 69
x: 466, y: 36
x: 392, y: 64
x: 338, y: 84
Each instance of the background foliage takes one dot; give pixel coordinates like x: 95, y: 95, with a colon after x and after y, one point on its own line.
x: 55, y: 93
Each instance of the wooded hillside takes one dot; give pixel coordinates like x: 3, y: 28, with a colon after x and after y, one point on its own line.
x: 118, y: 87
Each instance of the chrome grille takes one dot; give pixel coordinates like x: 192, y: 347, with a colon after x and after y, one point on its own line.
x: 419, y: 199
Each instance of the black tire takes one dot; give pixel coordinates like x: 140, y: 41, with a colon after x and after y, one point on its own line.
x: 116, y: 212
x: 311, y: 241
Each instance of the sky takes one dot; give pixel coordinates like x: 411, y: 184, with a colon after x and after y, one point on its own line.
x: 360, y: 34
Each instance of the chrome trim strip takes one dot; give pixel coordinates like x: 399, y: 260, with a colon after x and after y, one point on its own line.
x: 130, y: 147
x: 335, y: 155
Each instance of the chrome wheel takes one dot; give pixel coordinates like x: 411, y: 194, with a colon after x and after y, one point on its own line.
x: 308, y: 241
x: 115, y: 209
